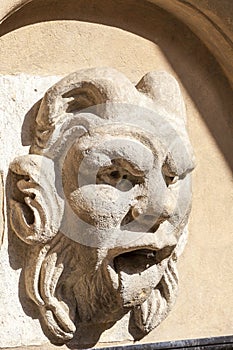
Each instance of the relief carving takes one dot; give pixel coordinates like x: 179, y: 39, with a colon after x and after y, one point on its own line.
x: 103, y: 201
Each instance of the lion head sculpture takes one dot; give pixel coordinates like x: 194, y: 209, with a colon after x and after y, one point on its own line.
x: 103, y: 201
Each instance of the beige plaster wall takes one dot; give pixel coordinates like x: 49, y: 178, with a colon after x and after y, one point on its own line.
x: 41, y: 39
x: 211, y: 20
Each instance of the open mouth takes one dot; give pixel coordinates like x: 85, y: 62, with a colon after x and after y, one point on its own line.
x: 137, y: 261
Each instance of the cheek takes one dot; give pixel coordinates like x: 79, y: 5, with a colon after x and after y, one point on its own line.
x: 96, y: 204
x: 182, y: 193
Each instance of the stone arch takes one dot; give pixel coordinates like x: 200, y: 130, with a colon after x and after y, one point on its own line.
x: 211, y: 25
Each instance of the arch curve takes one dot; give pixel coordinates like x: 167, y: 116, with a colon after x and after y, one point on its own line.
x: 210, y: 22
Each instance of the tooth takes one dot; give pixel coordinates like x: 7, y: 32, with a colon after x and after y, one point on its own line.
x: 144, y: 308
x: 114, y: 277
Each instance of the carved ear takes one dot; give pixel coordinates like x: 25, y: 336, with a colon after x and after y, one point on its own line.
x: 164, y: 90
x: 78, y: 91
x: 37, y: 210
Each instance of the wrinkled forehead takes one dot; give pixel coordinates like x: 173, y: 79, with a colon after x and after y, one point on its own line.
x: 118, y: 145
x: 141, y: 137
x: 96, y: 101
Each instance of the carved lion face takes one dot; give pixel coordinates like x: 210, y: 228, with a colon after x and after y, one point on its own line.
x: 105, y: 199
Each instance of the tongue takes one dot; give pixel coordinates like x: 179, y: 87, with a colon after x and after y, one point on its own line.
x: 138, y: 274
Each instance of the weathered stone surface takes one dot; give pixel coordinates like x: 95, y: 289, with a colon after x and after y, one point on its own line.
x: 17, y: 95
x: 102, y: 201
x: 2, y: 221
x: 137, y: 41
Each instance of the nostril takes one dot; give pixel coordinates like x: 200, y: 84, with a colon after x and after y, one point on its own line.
x: 136, y: 212
x: 127, y: 218
x: 165, y: 215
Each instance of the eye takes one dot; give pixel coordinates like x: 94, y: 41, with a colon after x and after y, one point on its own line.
x: 170, y: 180
x: 119, y: 177
x: 169, y: 174
x: 115, y: 175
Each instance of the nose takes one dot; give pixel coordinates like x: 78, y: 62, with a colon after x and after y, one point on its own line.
x: 162, y: 207
x: 101, y: 206
x: 149, y: 218
x: 158, y: 206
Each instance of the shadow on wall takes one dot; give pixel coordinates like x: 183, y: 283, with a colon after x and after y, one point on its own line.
x: 196, y: 67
